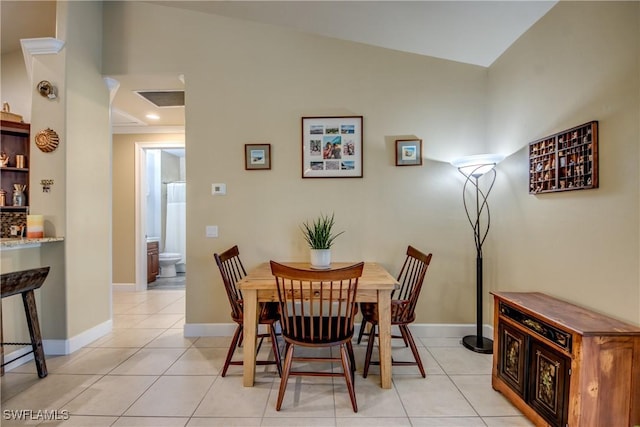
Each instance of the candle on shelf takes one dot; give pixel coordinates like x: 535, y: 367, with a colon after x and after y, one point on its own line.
x: 35, y: 226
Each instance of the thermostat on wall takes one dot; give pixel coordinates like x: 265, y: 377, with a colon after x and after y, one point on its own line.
x: 218, y: 189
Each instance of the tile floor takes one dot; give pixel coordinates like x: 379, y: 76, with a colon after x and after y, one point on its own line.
x: 145, y: 373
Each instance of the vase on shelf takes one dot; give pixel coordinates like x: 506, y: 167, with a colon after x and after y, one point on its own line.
x: 18, y: 194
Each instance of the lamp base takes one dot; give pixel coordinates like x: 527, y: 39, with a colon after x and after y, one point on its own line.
x: 478, y: 344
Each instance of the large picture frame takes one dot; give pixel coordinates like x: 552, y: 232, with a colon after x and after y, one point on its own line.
x: 332, y: 147
x: 257, y: 156
x: 408, y: 152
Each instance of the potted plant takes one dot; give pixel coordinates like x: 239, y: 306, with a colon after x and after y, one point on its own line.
x: 320, y: 236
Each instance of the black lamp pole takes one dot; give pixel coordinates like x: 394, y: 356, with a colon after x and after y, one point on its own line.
x: 477, y: 342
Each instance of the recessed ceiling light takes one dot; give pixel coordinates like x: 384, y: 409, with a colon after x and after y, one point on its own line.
x: 153, y: 116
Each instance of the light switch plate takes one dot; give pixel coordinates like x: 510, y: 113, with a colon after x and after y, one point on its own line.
x: 211, y: 231
x: 218, y: 189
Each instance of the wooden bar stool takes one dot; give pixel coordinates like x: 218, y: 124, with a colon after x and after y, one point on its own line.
x: 25, y: 282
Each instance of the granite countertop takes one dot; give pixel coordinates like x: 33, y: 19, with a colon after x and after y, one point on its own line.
x: 12, y: 242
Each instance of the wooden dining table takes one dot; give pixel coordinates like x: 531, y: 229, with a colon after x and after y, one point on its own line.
x: 259, y: 285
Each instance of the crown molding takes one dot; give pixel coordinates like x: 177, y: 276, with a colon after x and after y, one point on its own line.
x: 39, y: 46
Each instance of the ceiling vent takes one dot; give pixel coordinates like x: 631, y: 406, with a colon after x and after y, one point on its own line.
x: 163, y: 98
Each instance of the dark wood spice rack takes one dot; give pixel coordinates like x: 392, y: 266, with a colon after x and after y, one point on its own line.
x: 565, y: 161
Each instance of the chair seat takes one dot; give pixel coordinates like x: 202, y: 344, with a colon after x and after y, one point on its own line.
x: 268, y: 313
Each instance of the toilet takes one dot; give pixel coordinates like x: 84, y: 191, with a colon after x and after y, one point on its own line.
x: 167, y: 261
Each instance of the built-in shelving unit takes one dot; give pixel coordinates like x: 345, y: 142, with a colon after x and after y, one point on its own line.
x: 14, y: 142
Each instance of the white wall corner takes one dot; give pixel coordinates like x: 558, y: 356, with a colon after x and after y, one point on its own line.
x: 38, y: 46
x: 113, y: 85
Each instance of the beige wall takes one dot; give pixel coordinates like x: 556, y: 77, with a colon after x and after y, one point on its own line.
x: 256, y: 89
x: 580, y: 62
x: 577, y: 64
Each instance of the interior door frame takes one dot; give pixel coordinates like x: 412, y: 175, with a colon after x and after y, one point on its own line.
x: 141, y: 206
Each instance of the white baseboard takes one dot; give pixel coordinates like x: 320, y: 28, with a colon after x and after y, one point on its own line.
x: 60, y: 347
x: 124, y: 287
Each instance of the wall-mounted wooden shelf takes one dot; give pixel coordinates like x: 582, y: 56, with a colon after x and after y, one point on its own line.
x: 565, y: 161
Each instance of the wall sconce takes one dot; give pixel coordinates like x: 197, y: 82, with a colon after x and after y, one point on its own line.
x: 473, y: 167
x: 47, y: 90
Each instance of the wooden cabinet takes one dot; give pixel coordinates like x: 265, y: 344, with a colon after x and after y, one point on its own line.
x: 564, y: 365
x: 15, y: 143
x: 153, y: 263
x: 565, y: 161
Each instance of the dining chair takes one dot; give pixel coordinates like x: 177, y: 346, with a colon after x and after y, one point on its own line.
x: 403, y: 305
x: 232, y: 270
x: 317, y: 310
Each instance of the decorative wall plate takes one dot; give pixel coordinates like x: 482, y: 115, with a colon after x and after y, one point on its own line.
x: 47, y: 140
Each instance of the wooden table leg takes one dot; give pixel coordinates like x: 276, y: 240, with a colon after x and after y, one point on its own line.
x: 30, y: 309
x: 384, y: 330
x: 250, y: 330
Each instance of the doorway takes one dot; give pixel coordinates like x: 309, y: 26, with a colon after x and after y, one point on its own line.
x: 158, y: 192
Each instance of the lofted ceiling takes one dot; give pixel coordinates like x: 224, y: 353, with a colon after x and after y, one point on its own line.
x: 472, y: 32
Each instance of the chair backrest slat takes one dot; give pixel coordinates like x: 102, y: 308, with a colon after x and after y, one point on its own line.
x: 232, y: 271
x: 317, y: 306
x: 411, y: 279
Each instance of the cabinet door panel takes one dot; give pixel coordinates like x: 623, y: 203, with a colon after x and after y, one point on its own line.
x: 549, y: 383
x: 511, y: 365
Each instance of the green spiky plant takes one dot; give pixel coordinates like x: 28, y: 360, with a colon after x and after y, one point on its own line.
x: 319, y: 234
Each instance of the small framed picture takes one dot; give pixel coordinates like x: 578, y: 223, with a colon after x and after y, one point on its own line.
x: 257, y: 156
x: 408, y: 152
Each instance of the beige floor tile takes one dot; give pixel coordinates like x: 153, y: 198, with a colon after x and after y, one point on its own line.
x: 486, y: 401
x: 54, y: 362
x: 224, y: 422
x: 176, y: 307
x: 148, y: 361
x: 14, y: 383
x: 123, y: 321
x: 172, y: 338
x: 83, y: 421
x: 111, y: 395
x: 372, y: 400
x: 297, y: 422
x: 440, y: 341
x: 198, y: 361
x: 162, y: 321
x: 433, y: 396
x: 97, y: 361
x: 519, y: 421
x: 373, y: 422
x: 227, y: 398
x: 430, y: 365
x: 172, y: 396
x: 151, y: 422
x: 447, y: 422
x: 303, y: 399
x: 221, y: 342
x: 461, y: 361
x: 128, y: 338
x: 51, y: 393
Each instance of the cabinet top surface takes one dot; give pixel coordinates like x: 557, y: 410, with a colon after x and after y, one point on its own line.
x: 9, y: 125
x: 568, y: 315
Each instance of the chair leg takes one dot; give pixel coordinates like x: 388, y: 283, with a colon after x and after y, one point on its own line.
x: 348, y: 376
x: 352, y: 357
x: 367, y: 359
x: 232, y: 348
x: 288, y: 359
x: 409, y: 337
x: 363, y: 324
x: 276, y: 349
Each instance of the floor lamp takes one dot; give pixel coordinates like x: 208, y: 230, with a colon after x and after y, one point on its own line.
x: 473, y: 168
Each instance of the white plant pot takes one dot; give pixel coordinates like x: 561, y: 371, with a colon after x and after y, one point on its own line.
x: 321, y: 259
